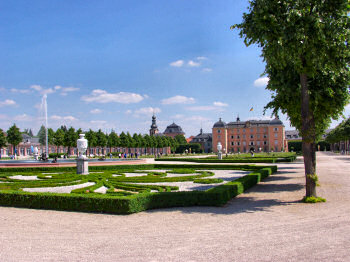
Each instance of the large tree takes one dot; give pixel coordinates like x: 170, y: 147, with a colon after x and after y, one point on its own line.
x: 14, y: 136
x: 3, y: 141
x: 58, y: 139
x: 70, y: 138
x: 305, y: 46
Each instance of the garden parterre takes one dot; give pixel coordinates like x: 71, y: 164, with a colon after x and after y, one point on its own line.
x: 127, y: 189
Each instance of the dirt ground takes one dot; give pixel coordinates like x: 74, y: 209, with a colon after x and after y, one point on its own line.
x: 266, y: 223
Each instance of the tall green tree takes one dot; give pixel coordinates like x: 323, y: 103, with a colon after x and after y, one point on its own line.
x: 92, y: 140
x: 50, y: 136
x: 70, y: 138
x: 305, y: 47
x: 42, y: 135
x: 113, y: 140
x: 58, y: 139
x: 101, y: 139
x: 3, y: 141
x: 14, y: 136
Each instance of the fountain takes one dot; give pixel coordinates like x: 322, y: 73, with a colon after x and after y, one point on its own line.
x: 82, y: 160
x: 44, y: 108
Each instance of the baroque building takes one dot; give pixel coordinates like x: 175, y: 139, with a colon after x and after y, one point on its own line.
x: 205, y: 140
x: 244, y: 136
x: 154, y: 128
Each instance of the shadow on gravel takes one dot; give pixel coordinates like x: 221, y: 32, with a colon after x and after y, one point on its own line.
x: 277, y: 178
x: 343, y: 158
x: 272, y: 188
x: 283, y: 168
x: 234, y: 206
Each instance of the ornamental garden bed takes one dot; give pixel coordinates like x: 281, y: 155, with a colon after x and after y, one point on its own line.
x: 127, y: 189
x: 239, y: 158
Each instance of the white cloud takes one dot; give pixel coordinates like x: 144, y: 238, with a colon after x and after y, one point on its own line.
x: 219, y: 104
x: 147, y: 111
x: 201, y: 58
x: 260, y: 118
x: 63, y: 118
x: 178, y: 63
x: 96, y: 111
x: 192, y: 63
x: 98, y: 122
x: 7, y: 102
x: 57, y: 87
x: 261, y: 82
x: 23, y: 117
x: 36, y: 87
x: 102, y: 96
x: 128, y: 112
x: 178, y: 116
x: 207, y: 108
x: 22, y: 91
x: 178, y: 100
x: 207, y: 70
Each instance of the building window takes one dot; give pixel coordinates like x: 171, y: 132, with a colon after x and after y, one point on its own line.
x: 232, y: 143
x: 232, y: 137
x: 238, y: 143
x: 243, y: 136
x: 219, y: 131
x: 91, y: 151
x: 237, y: 131
x: 28, y: 151
x: 258, y: 135
x: 251, y: 130
x: 276, y: 135
x: 276, y: 129
x: 276, y: 142
x: 219, y: 136
x: 265, y: 129
x: 265, y: 142
x: 251, y: 136
x: 265, y: 135
x: 258, y: 143
x: 22, y: 151
x: 243, y: 130
x: 257, y: 129
x: 251, y: 143
x: 244, y: 143
x: 238, y: 137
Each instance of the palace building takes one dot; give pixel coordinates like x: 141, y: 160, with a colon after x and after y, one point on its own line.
x: 244, y: 136
x: 171, y: 130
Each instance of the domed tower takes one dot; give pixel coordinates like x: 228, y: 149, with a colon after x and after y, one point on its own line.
x: 173, y: 130
x: 154, y: 128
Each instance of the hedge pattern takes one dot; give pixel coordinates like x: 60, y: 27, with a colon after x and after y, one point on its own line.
x: 127, y: 202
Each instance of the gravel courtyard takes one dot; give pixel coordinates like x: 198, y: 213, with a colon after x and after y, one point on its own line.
x: 266, y: 223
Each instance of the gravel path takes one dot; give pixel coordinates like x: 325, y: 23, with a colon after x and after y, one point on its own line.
x: 267, y: 223
x: 58, y: 189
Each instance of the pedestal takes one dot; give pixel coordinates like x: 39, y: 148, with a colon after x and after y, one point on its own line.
x: 82, y: 166
x: 220, y: 156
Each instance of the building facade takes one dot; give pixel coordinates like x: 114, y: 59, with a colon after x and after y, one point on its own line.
x: 205, y: 140
x: 245, y: 136
x: 154, y: 128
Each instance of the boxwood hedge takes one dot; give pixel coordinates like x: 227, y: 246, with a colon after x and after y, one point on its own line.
x: 109, y: 203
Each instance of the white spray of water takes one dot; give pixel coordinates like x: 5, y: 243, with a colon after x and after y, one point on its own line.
x: 44, y: 107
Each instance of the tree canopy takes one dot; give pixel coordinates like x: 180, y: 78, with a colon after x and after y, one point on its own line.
x: 14, y: 136
x: 305, y: 47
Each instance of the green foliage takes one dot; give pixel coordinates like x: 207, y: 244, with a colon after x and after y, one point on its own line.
x: 313, y: 199
x: 3, y: 141
x: 42, y: 135
x: 14, y: 136
x: 340, y: 133
x: 296, y: 145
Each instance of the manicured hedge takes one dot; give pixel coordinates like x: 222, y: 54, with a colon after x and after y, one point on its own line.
x: 135, y: 203
x: 251, y: 160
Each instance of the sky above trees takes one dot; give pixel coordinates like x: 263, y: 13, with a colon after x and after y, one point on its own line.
x: 112, y: 64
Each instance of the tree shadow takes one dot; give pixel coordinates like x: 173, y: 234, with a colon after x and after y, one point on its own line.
x: 277, y: 178
x: 234, y: 206
x: 292, y: 167
x: 343, y: 158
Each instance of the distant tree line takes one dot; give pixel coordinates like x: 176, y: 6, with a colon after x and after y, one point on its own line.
x: 67, y: 137
x: 340, y: 134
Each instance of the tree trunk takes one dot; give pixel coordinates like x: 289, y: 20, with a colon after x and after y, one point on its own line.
x: 309, y: 137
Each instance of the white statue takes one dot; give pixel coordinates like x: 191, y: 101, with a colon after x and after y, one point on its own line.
x: 219, y: 147
x: 36, y: 153
x: 82, y: 145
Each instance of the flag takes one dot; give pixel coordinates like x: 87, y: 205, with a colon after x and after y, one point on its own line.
x: 251, y: 109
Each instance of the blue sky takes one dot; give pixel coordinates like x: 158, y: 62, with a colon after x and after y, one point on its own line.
x: 111, y: 64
